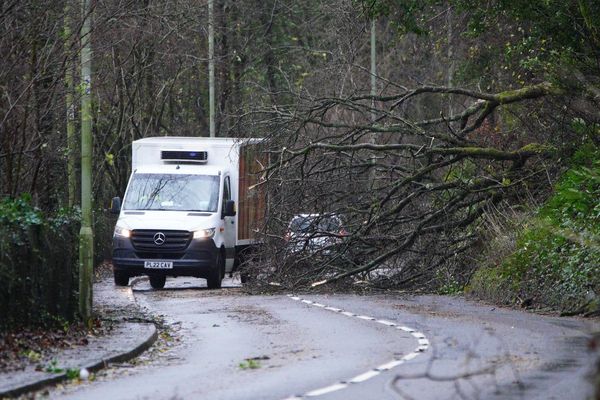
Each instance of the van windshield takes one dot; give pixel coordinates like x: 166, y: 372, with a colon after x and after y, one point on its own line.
x: 172, y: 192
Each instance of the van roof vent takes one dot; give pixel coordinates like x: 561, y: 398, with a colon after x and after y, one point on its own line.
x: 184, y: 156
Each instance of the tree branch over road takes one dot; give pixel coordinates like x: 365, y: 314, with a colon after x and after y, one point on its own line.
x: 401, y: 182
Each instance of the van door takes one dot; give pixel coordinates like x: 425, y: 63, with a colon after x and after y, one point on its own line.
x: 230, y: 228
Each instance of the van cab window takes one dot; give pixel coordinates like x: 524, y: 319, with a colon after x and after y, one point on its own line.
x: 226, y: 190
x: 172, y: 192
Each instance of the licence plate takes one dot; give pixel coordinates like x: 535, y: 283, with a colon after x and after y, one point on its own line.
x: 158, y: 264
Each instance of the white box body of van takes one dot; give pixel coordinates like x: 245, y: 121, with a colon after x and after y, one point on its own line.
x: 174, y: 219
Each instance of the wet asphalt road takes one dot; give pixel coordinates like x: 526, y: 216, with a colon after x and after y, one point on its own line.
x: 306, y: 351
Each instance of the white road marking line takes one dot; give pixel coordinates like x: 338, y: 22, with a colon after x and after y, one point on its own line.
x: 390, y: 365
x: 410, y: 356
x: 365, y: 317
x: 363, y: 377
x: 422, y: 340
x: 326, y: 389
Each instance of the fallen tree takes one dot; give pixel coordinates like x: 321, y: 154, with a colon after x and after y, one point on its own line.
x: 410, y: 188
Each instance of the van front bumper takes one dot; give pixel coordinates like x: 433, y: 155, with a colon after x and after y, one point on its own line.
x: 198, y: 259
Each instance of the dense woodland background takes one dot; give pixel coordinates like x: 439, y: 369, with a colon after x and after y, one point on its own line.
x: 473, y: 166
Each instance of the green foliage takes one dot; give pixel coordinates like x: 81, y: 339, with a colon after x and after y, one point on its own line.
x: 38, y: 265
x: 19, y: 211
x: 72, y: 373
x: 557, y: 257
x: 552, y: 265
x: 32, y: 355
x: 576, y: 203
x: 546, y: 34
x: 487, y: 283
x: 53, y: 367
x: 509, y: 41
x: 450, y: 287
x: 250, y: 363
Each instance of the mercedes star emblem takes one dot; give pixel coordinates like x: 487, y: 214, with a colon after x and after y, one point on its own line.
x: 159, y: 238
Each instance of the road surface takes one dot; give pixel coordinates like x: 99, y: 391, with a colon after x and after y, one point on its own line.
x: 225, y: 345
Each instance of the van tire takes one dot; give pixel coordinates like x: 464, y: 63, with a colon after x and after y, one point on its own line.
x: 213, y: 281
x: 121, y: 278
x: 157, y: 281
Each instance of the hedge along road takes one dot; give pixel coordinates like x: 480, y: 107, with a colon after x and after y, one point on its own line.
x: 235, y: 346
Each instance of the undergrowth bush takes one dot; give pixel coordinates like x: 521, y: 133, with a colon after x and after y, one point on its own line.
x: 556, y: 261
x: 38, y: 265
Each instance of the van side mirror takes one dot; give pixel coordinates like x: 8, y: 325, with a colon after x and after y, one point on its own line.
x: 115, y: 205
x: 229, y: 209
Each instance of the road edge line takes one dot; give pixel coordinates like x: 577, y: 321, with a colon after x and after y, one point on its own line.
x: 422, y: 341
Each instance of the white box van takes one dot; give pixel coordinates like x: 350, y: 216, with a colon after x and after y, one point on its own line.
x: 190, y: 209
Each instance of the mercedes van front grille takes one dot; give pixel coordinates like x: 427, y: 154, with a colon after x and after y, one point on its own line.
x: 160, y: 241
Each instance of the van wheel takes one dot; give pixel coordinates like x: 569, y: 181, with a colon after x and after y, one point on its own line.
x: 213, y: 281
x: 223, y: 265
x: 157, y: 281
x: 121, y: 278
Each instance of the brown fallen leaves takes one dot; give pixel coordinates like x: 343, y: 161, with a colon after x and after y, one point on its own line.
x: 25, y: 347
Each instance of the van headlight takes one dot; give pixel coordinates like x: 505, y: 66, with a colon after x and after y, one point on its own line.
x: 204, y: 233
x: 122, y: 232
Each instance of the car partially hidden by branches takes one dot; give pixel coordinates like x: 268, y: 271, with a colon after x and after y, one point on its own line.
x: 314, y: 234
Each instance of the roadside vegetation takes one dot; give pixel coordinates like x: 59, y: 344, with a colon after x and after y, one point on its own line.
x: 38, y: 265
x: 554, y: 258
x: 38, y: 283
